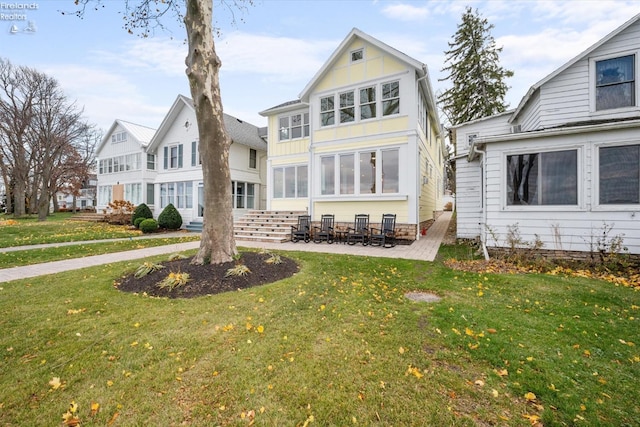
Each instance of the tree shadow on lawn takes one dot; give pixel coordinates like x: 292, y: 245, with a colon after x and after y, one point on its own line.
x: 210, y: 279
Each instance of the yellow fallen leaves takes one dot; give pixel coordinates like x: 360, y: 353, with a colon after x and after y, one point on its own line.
x: 55, y: 383
x: 412, y: 370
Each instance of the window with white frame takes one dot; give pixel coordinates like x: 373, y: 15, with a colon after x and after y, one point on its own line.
x: 361, y: 173
x: 151, y: 162
x: 293, y: 126
x: 118, y: 137
x: 391, y: 98
x: 173, y: 156
x: 367, y: 103
x: 196, y: 159
x: 357, y: 55
x: 253, y: 158
x: 347, y: 107
x: 547, y: 178
x: 179, y: 194
x: 615, y: 83
x: 151, y: 196
x: 619, y: 175
x: 327, y: 111
x: 104, y: 194
x: 133, y: 193
x: 290, y: 182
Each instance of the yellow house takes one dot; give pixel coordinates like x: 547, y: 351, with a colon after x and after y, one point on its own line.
x: 363, y: 138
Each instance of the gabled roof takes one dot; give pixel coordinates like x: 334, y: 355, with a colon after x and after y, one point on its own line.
x: 354, y: 34
x: 239, y: 131
x: 142, y: 135
x: 573, y: 61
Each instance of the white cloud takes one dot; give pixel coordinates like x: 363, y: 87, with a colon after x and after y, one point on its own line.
x: 406, y: 12
x: 272, y: 58
x: 106, y: 96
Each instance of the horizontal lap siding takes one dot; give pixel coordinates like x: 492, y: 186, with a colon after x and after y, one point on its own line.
x: 573, y: 229
x: 468, y: 199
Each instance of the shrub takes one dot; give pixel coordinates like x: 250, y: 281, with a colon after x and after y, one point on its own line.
x: 141, y: 211
x: 137, y: 221
x: 149, y: 225
x: 170, y: 218
x: 120, y: 212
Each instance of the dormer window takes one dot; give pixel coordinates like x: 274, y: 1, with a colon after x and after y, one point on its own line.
x: 357, y: 55
x: 615, y: 83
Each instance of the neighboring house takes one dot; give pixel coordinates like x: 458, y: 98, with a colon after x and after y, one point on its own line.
x: 563, y: 168
x: 179, y: 170
x: 84, y: 200
x: 363, y: 137
x: 125, y: 171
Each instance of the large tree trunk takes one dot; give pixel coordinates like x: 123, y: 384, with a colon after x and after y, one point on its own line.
x: 217, y: 244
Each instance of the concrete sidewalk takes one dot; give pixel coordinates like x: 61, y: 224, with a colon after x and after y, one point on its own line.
x: 424, y: 249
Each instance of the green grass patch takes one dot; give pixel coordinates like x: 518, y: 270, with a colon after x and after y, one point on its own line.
x: 36, y: 256
x: 31, y: 232
x: 338, y: 344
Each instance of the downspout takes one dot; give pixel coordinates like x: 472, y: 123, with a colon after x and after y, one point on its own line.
x: 483, y: 234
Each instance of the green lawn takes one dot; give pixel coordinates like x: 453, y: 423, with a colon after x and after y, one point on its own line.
x: 337, y: 344
x: 58, y: 228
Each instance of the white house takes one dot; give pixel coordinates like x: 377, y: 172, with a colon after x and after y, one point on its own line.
x: 179, y: 177
x: 563, y: 168
x: 125, y: 172
x: 171, y: 170
x: 363, y: 138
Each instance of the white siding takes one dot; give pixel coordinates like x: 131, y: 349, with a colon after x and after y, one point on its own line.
x: 567, y: 97
x: 573, y: 228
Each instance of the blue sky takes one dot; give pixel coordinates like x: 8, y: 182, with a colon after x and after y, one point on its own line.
x: 277, y: 46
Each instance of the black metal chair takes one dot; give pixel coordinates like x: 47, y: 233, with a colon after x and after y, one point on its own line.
x: 302, y: 231
x: 324, y: 233
x: 384, y: 236
x: 360, y: 230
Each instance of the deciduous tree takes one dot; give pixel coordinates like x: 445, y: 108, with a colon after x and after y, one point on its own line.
x: 217, y: 244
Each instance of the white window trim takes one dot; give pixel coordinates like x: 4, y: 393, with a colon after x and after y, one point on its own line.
x: 317, y: 188
x: 595, y: 186
x: 354, y: 51
x: 580, y: 163
x: 592, y: 84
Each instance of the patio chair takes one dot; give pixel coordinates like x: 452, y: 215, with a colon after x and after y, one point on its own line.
x: 325, y: 231
x: 302, y: 231
x: 360, y: 230
x: 384, y: 236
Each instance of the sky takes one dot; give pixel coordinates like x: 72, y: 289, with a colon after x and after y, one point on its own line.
x: 275, y: 47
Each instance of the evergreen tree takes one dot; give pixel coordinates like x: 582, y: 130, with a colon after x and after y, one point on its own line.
x: 473, y: 65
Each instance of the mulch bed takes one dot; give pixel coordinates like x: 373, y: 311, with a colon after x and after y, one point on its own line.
x: 210, y: 279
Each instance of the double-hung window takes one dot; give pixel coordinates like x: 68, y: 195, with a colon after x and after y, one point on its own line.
x: 327, y: 111
x: 548, y: 178
x: 619, y: 175
x: 615, y: 83
x: 368, y: 103
x: 347, y: 107
x: 390, y: 98
x: 173, y: 156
